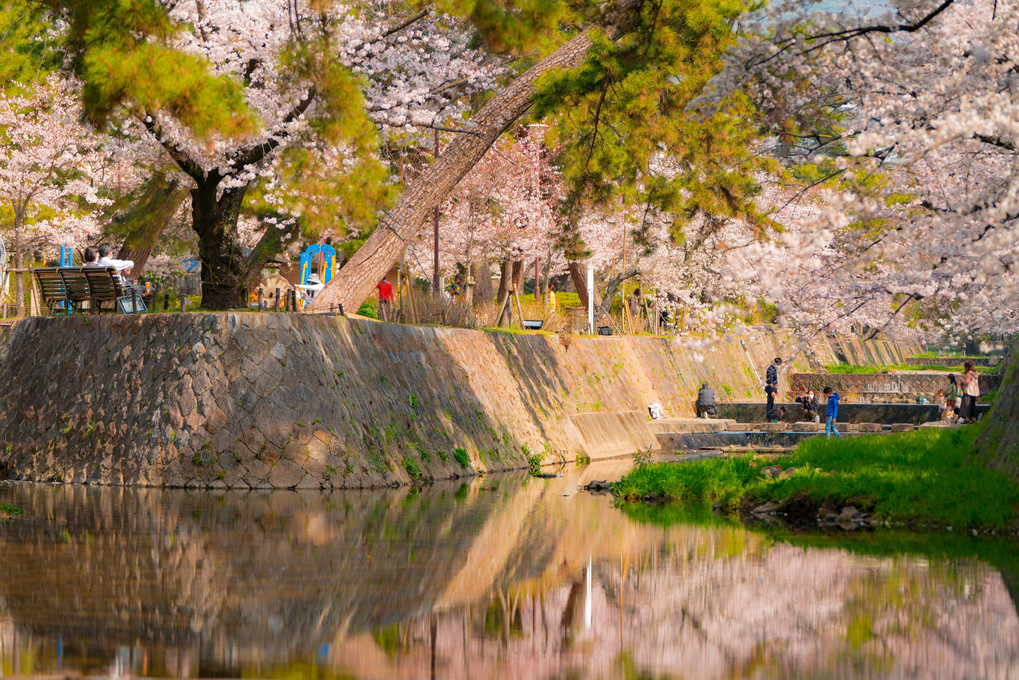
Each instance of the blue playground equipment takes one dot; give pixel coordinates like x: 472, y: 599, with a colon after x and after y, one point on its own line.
x: 66, y: 260
x: 328, y: 262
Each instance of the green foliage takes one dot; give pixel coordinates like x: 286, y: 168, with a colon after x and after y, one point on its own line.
x: 412, y: 468
x: 121, y: 51
x: 29, y: 50
x: 368, y: 310
x: 636, y: 96
x: 460, y: 455
x: 533, y: 460
x: 7, y: 510
x: 928, y: 476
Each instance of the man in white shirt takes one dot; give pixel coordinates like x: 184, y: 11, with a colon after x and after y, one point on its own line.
x: 106, y: 261
x: 309, y: 290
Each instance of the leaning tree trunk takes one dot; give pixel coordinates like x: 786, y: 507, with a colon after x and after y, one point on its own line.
x: 356, y: 281
x: 150, y: 216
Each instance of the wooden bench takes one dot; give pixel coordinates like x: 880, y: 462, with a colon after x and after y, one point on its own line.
x: 73, y: 286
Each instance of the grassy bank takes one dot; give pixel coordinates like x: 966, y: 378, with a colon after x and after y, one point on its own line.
x: 918, y: 478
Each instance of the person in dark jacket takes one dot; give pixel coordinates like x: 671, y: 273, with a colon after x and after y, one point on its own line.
x: 831, y: 412
x: 810, y: 406
x: 771, y: 384
x: 706, y: 401
x: 776, y: 415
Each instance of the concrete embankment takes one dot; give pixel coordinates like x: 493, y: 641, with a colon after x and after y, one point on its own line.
x: 285, y: 401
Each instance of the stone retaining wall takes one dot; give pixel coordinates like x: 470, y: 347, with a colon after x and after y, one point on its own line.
x: 999, y: 444
x: 952, y: 361
x: 883, y: 387
x: 274, y: 400
x: 858, y: 352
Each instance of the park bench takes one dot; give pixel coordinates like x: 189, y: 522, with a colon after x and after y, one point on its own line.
x: 72, y: 286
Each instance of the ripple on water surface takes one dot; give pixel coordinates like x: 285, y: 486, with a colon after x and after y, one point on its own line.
x: 499, y: 577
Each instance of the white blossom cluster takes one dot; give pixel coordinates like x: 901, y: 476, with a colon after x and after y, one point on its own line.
x: 929, y: 110
x: 415, y: 77
x: 49, y: 165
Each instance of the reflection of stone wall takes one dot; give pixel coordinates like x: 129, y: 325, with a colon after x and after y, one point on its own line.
x: 283, y: 401
x: 884, y: 387
x: 282, y: 584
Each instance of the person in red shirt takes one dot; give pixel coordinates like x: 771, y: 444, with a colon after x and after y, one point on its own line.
x: 385, y: 298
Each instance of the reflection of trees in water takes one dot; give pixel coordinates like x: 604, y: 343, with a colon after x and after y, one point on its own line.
x: 478, y: 584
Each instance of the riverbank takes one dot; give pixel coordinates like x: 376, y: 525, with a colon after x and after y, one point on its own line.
x: 928, y: 479
x: 283, y: 401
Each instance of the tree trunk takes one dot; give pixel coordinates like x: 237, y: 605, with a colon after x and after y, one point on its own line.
x: 518, y: 276
x: 225, y: 270
x: 151, y: 215
x: 482, y: 275
x: 505, y: 272
x: 613, y: 287
x: 355, y: 282
x: 19, y: 262
x: 578, y: 274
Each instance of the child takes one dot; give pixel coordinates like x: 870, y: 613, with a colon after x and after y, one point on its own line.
x: 831, y: 412
x: 942, y: 404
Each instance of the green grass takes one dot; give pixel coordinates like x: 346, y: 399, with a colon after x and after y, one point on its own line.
x: 460, y: 455
x: 870, y: 370
x: 920, y: 478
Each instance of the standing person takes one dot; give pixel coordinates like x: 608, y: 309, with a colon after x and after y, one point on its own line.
x: 771, y: 383
x: 953, y: 400
x: 970, y: 392
x: 706, y: 401
x: 385, y: 299
x: 942, y: 403
x: 831, y: 412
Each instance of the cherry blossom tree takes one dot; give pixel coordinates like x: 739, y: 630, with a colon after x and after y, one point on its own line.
x: 909, y: 122
x: 49, y: 163
x: 505, y: 211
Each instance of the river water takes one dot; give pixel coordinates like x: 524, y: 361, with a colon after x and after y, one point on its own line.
x: 500, y: 577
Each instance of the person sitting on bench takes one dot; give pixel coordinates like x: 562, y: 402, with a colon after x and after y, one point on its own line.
x: 706, y: 401
x: 106, y: 261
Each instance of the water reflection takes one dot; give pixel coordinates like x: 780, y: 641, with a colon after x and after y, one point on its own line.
x: 500, y: 577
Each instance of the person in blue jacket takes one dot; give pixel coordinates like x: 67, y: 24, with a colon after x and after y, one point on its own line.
x: 831, y: 412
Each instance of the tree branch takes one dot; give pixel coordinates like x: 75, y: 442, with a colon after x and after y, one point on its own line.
x: 179, y: 156
x: 257, y: 153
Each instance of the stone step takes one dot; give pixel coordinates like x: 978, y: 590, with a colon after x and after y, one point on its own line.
x: 688, y: 425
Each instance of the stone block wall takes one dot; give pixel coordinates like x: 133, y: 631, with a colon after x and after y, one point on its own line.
x: 858, y: 352
x: 999, y: 443
x: 883, y: 387
x: 952, y: 361
x: 247, y: 400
